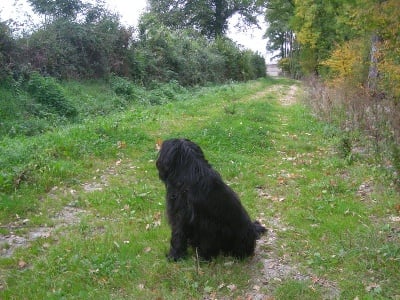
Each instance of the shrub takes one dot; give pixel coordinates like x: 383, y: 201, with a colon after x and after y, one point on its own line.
x: 48, y: 92
x: 122, y: 86
x: 165, y: 92
x: 184, y: 56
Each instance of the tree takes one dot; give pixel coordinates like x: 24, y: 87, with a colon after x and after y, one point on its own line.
x: 351, y: 45
x: 79, y: 39
x: 56, y: 9
x: 378, y: 21
x: 210, y: 17
x: 7, y: 48
x: 280, y: 36
x: 316, y: 25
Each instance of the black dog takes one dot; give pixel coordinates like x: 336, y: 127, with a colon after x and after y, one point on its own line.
x: 202, y: 210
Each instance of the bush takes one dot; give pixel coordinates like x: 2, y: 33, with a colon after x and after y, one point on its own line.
x: 165, y: 92
x: 122, y: 86
x: 30, y: 127
x: 184, y: 56
x: 48, y: 92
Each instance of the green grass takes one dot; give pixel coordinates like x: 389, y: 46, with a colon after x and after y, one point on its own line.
x: 117, y: 248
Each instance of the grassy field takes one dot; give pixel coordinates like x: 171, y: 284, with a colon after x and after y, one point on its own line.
x: 82, y: 208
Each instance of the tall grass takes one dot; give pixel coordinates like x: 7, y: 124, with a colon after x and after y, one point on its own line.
x: 369, y: 124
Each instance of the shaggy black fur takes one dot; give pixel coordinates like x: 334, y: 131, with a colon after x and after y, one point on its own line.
x: 203, y: 211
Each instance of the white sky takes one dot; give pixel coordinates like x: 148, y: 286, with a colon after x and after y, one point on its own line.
x: 130, y: 12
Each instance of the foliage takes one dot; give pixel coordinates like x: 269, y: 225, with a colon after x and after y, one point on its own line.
x: 7, y: 45
x: 46, y: 91
x: 389, y: 47
x: 189, y: 58
x: 331, y: 39
x: 22, y: 114
x: 122, y: 86
x: 347, y: 63
x: 280, y: 36
x: 316, y: 30
x: 81, y: 40
x: 58, y: 9
x: 162, y: 93
x: 253, y: 65
x: 69, y: 49
x: 209, y: 17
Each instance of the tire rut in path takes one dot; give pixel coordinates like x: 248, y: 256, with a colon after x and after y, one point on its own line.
x: 276, y: 268
x: 11, y: 241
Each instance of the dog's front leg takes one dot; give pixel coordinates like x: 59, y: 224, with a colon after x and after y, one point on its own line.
x: 178, y: 245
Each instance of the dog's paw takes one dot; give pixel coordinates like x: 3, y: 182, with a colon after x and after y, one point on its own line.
x: 174, y: 257
x: 171, y: 258
x: 259, y: 229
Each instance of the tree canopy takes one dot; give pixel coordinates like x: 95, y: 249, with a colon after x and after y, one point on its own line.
x: 57, y: 8
x: 210, y: 17
x: 280, y: 36
x: 356, y: 39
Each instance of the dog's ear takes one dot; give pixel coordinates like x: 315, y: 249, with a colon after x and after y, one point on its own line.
x: 166, y: 160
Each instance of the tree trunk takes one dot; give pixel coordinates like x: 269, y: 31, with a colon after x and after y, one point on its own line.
x: 373, y: 72
x: 220, y: 19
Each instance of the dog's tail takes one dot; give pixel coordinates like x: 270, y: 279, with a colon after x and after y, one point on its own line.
x: 259, y: 229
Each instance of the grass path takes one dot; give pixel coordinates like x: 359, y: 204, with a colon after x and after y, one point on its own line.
x: 92, y: 225
x: 276, y: 268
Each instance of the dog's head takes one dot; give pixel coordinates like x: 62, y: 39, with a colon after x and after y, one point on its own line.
x: 180, y: 159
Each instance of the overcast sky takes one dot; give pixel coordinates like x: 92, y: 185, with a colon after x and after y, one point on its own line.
x: 130, y: 12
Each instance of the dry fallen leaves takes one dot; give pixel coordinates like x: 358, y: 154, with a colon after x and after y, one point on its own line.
x: 156, y: 221
x: 121, y: 144
x: 265, y: 194
x: 256, y: 288
x: 22, y: 264
x: 158, y: 144
x: 373, y: 287
x: 394, y: 219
